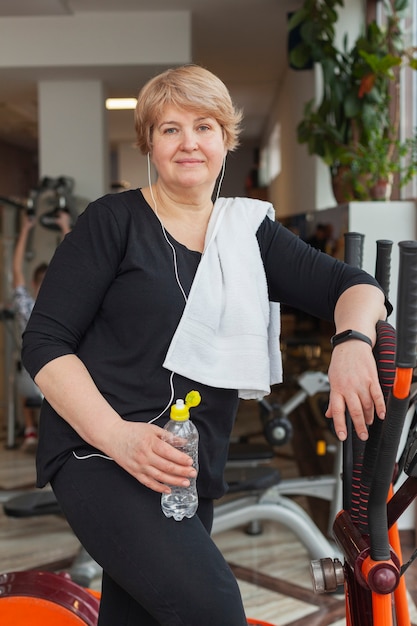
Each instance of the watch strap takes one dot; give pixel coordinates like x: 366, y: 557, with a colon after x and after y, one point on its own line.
x: 346, y: 335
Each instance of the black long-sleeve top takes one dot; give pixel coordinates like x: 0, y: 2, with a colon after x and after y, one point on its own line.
x: 110, y: 296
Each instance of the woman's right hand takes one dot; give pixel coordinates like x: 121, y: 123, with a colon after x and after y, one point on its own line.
x: 140, y: 449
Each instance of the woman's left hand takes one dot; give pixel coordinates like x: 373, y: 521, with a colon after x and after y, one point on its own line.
x: 354, y: 387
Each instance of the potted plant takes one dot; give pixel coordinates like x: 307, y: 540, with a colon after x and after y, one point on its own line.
x: 373, y: 167
x: 357, y: 116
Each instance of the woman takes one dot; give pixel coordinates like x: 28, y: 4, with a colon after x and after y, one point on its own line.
x: 156, y: 292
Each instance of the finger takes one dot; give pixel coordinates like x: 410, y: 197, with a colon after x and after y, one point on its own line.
x: 172, y: 478
x: 336, y: 412
x: 166, y: 450
x: 153, y: 446
x: 158, y: 480
x: 164, y: 463
x: 365, y: 409
x: 379, y: 400
x: 339, y: 409
x: 164, y: 470
x: 153, y: 484
x: 161, y: 479
x: 359, y: 415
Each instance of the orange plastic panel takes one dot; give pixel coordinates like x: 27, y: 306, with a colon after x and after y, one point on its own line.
x: 45, y: 599
x: 21, y: 611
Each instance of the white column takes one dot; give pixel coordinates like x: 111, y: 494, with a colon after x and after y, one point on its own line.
x: 73, y: 134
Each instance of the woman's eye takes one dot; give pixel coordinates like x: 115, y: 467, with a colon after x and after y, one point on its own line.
x: 204, y: 127
x: 169, y: 131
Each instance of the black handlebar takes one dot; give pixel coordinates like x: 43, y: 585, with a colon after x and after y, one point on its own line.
x: 398, y: 401
x: 353, y: 448
x: 407, y: 306
x: 383, y: 264
x: 354, y: 249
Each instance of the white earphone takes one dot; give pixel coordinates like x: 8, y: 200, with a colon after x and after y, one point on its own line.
x: 174, y: 257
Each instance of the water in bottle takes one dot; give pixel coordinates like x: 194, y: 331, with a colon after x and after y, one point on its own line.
x: 181, y: 433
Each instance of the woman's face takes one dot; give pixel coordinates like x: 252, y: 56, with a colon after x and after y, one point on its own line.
x: 187, y: 149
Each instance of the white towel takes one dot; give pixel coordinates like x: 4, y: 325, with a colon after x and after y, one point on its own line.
x: 228, y: 335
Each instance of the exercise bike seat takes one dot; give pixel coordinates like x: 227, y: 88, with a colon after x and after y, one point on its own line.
x: 32, y: 504
x: 249, y: 453
x: 251, y: 479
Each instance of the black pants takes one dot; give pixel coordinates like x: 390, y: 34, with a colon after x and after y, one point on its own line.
x: 156, y: 571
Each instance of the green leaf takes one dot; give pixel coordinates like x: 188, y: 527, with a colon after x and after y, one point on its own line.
x: 351, y: 106
x: 380, y: 65
x: 297, y: 18
x: 300, y: 56
x: 401, y: 5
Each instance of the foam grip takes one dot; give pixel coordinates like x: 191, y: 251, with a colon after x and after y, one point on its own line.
x: 354, y: 249
x: 383, y: 264
x: 377, y: 507
x: 407, y: 305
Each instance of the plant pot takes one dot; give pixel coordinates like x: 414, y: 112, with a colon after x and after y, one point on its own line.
x: 342, y: 185
x: 382, y: 189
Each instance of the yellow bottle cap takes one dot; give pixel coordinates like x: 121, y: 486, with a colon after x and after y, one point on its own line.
x: 192, y: 398
x: 180, y: 410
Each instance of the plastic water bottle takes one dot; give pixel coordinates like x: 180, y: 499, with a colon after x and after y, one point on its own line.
x: 181, y: 433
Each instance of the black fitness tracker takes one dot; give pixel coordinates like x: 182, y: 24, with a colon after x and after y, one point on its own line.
x: 349, y: 334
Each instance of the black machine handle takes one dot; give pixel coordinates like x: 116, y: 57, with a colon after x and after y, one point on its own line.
x: 398, y: 401
x: 353, y: 448
x: 354, y: 249
x: 407, y: 306
x: 384, y: 353
x: 383, y: 264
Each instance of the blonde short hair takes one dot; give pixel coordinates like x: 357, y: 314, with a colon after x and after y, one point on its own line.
x: 189, y: 87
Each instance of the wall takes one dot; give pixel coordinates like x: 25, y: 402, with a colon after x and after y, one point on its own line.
x: 73, y: 139
x: 18, y: 170
x: 238, y: 165
x: 292, y: 191
x: 131, y: 165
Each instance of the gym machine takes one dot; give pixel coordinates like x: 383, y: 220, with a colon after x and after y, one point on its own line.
x: 43, y: 204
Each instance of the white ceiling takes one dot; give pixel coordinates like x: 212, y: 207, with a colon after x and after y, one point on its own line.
x: 243, y: 41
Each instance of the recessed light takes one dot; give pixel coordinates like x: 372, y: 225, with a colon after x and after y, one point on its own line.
x: 113, y: 104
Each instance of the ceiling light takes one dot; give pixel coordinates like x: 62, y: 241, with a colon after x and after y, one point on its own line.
x: 113, y: 104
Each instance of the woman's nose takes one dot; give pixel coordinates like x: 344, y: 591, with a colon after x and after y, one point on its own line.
x: 189, y: 140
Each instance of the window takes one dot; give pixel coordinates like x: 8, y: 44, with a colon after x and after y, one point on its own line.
x: 409, y: 96
x: 408, y: 85
x: 270, y: 158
